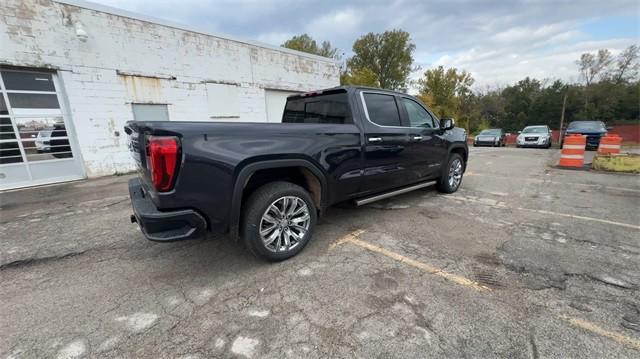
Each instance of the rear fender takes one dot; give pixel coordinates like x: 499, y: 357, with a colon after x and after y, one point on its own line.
x: 245, y: 175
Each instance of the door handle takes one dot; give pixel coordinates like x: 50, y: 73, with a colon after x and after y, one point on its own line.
x: 375, y: 139
x: 417, y: 138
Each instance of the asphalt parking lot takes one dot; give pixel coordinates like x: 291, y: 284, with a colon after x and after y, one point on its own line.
x: 525, y: 261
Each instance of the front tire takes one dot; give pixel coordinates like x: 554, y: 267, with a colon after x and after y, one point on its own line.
x: 278, y: 221
x: 451, y: 178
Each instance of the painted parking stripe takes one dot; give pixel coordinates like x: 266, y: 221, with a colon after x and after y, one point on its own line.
x: 346, y: 238
x: 591, y: 327
x: 541, y: 211
x: 352, y: 238
x: 497, y: 204
x: 577, y: 322
x: 469, y: 173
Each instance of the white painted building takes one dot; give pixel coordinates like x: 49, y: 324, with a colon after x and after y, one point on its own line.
x: 72, y: 73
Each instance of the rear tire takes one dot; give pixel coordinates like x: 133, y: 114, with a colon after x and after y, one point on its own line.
x: 282, y: 213
x: 451, y: 177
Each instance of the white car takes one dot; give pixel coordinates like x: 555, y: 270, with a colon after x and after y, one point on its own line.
x: 534, y: 136
x: 43, y: 139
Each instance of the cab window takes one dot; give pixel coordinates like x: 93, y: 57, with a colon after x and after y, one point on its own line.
x: 418, y: 116
x: 330, y: 108
x: 382, y: 109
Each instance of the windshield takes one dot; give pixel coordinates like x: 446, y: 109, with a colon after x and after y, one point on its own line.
x: 490, y: 132
x: 44, y: 133
x: 535, y: 130
x: 587, y: 126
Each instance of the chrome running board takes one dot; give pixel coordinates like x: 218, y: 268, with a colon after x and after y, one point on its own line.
x: 361, y: 202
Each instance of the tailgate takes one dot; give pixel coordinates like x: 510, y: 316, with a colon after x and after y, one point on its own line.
x: 137, y: 149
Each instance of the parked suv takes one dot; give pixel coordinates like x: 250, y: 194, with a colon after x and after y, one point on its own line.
x: 267, y: 183
x: 534, y: 136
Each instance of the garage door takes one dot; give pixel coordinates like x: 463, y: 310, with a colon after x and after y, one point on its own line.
x: 36, y: 143
x: 275, y: 104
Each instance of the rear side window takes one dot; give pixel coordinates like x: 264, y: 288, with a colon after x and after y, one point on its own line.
x: 328, y: 109
x: 382, y: 109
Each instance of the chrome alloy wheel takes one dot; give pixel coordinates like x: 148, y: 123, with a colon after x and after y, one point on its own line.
x: 455, y: 173
x: 284, y: 224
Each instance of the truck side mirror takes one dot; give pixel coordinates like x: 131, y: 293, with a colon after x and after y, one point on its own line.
x: 447, y: 124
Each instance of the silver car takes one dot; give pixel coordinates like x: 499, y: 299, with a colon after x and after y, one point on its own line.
x: 534, y: 136
x: 43, y: 141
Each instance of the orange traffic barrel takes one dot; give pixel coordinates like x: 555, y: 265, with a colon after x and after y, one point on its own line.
x: 609, y: 144
x: 573, y: 151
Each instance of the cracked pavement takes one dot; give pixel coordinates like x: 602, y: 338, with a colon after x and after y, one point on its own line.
x: 78, y: 280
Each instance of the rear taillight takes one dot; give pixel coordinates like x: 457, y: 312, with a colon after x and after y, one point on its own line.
x: 163, y: 155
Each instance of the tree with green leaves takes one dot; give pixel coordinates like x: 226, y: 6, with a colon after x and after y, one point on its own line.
x: 360, y: 77
x: 306, y: 43
x: 448, y: 93
x: 610, y: 83
x: 382, y: 60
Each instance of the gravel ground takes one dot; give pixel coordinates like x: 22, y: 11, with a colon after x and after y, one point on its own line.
x: 525, y: 261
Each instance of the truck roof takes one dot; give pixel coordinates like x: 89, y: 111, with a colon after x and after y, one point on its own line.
x: 348, y: 88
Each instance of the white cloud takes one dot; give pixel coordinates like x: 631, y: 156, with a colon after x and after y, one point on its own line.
x: 499, y: 68
x: 335, y: 23
x: 497, y: 41
x: 275, y: 38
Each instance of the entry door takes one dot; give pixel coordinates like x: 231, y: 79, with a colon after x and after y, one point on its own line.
x: 428, y: 144
x: 36, y: 144
x: 389, y: 152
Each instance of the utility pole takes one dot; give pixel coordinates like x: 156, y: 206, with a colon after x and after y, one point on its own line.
x: 564, y: 104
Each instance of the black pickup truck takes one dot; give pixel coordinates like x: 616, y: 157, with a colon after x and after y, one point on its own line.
x: 267, y: 183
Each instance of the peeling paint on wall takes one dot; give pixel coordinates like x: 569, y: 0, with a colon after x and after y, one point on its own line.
x: 143, y: 89
x: 124, y: 60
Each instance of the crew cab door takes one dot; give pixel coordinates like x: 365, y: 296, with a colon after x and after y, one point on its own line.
x: 428, y: 146
x: 389, y: 152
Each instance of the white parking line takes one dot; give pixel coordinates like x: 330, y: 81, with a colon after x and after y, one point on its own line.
x: 497, y: 204
x: 541, y: 211
x: 469, y: 173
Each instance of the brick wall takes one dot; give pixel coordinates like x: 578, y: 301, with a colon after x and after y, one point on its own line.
x: 173, y: 65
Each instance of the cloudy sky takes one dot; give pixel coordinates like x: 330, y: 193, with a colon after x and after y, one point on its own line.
x: 499, y: 41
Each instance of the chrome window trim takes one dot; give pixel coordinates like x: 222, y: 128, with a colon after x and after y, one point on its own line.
x: 366, y: 111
